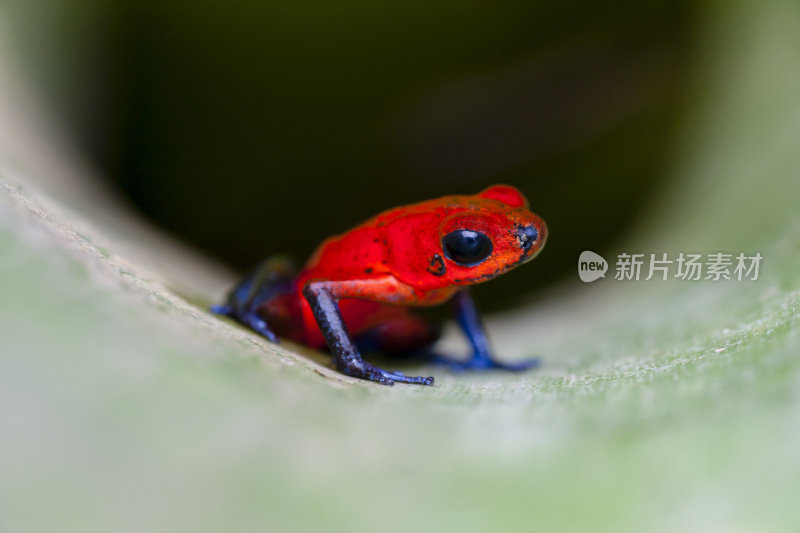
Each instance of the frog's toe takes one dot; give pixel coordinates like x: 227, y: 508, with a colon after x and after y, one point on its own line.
x: 369, y: 372
x: 419, y: 380
x: 377, y: 377
x: 260, y: 326
x: 479, y: 363
x: 224, y: 310
x: 269, y: 335
x: 399, y: 377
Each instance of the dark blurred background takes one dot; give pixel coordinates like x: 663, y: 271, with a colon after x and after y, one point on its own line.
x: 251, y: 128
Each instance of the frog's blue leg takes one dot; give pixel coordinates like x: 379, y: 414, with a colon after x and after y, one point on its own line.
x: 273, y: 276
x: 346, y: 356
x: 469, y: 321
x: 222, y: 309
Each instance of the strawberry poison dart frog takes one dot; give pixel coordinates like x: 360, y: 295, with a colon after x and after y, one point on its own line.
x: 356, y: 290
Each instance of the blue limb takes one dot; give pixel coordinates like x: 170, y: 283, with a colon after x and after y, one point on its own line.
x: 468, y: 319
x: 346, y: 356
x: 224, y: 310
x: 270, y: 278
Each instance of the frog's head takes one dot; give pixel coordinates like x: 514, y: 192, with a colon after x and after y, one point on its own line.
x: 487, y: 234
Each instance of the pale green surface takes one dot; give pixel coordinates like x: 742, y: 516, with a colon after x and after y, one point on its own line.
x: 662, y: 406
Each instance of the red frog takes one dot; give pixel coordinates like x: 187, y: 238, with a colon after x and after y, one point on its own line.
x: 356, y: 290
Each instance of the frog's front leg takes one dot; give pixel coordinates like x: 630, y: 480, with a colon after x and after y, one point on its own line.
x: 323, y: 298
x: 270, y: 278
x: 468, y: 319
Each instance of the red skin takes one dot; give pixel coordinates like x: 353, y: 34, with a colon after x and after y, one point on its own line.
x: 388, y: 263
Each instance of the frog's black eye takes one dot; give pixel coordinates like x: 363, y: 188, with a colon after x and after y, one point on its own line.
x: 466, y: 247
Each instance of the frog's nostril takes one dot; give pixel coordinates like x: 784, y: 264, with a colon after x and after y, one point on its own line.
x: 526, y: 236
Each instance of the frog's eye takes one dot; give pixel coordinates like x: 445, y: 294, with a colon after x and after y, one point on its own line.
x: 466, y: 247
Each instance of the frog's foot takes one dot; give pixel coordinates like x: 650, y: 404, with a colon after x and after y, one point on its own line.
x: 270, y: 279
x: 483, y: 363
x: 247, y: 318
x: 257, y: 324
x: 224, y: 310
x: 322, y: 297
x: 362, y: 369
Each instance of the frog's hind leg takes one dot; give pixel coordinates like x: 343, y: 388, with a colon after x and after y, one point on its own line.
x: 469, y: 321
x: 411, y: 336
x: 323, y: 297
x: 272, y: 277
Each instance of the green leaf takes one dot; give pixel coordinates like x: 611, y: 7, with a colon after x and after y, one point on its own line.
x: 661, y: 406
